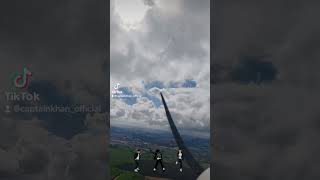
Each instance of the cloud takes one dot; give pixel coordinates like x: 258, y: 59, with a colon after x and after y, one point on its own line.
x: 149, y: 2
x: 151, y: 59
x: 141, y: 48
x: 63, y: 43
x: 188, y: 107
x: 267, y: 131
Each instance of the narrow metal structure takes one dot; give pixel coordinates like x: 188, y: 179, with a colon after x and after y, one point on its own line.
x: 187, y: 154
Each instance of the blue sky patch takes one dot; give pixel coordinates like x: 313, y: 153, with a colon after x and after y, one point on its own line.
x: 128, y: 100
x: 173, y: 84
x: 155, y: 100
x: 189, y: 84
x: 154, y: 84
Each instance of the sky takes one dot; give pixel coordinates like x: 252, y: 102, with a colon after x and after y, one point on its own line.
x: 63, y: 43
x: 161, y: 46
x: 260, y: 132
x: 268, y: 130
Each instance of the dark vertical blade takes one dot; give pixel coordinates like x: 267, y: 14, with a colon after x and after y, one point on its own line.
x: 187, y: 154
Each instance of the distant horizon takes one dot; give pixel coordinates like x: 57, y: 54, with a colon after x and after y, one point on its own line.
x: 202, y: 135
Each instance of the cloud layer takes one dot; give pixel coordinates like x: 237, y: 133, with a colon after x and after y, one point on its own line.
x: 63, y: 43
x: 168, y: 51
x: 267, y: 131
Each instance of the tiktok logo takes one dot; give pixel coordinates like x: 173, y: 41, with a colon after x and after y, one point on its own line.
x: 116, y: 90
x: 117, y: 86
x: 22, y: 80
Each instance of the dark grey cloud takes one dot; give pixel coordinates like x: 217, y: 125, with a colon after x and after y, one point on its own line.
x: 59, y: 40
x: 64, y: 43
x: 149, y: 2
x: 266, y: 131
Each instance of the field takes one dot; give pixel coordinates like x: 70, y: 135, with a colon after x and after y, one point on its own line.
x: 122, y: 156
x: 122, y: 165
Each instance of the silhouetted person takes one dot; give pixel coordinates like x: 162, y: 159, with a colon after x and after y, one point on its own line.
x: 158, y: 157
x: 179, y: 159
x: 137, y: 156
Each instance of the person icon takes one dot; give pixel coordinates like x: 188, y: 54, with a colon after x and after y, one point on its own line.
x: 179, y: 159
x: 158, y: 157
x: 137, y: 157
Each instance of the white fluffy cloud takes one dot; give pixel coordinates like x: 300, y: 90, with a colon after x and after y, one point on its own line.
x: 171, y: 44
